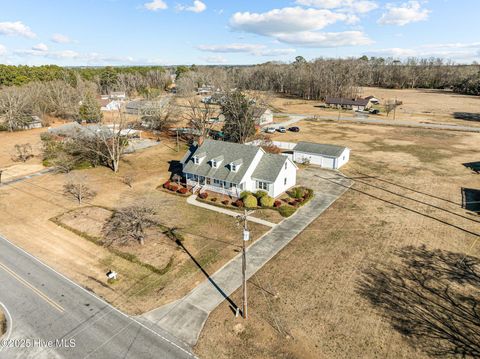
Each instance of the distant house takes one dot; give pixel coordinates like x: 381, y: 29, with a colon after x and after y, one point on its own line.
x: 326, y: 156
x: 33, y: 122
x: 373, y: 100
x: 262, y: 116
x: 348, y: 104
x: 110, y: 105
x: 230, y: 168
x: 74, y: 129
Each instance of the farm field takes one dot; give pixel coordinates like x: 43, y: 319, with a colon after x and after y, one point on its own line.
x: 60, y: 231
x: 371, y: 276
x: 419, y: 105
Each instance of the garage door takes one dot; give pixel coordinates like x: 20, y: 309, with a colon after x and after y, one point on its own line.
x: 328, y: 162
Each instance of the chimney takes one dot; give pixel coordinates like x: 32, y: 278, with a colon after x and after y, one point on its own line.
x: 200, y: 140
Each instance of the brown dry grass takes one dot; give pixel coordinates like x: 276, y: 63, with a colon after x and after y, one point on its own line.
x: 211, y: 238
x: 430, y: 106
x: 306, y: 302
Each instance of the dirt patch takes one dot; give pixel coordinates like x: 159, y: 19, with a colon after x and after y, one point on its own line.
x: 308, y: 303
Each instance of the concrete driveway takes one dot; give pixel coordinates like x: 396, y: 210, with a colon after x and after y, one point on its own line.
x: 186, y: 317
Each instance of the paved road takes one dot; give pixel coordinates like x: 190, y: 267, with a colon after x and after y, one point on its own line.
x: 377, y: 121
x: 45, y: 305
x: 185, y: 318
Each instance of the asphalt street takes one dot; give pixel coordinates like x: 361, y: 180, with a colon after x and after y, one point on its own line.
x: 43, y: 305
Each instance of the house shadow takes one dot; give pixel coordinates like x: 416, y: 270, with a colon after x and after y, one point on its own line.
x: 430, y: 297
x: 467, y: 116
x: 175, y: 168
x: 471, y: 199
x: 474, y: 166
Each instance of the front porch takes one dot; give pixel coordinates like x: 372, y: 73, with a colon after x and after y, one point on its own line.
x: 203, y: 184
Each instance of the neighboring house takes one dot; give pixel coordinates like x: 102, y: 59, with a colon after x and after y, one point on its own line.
x: 262, y: 116
x: 373, y: 100
x: 110, y: 105
x: 360, y: 104
x: 326, y: 156
x: 33, y: 122
x: 230, y: 168
x: 74, y: 129
x: 118, y: 95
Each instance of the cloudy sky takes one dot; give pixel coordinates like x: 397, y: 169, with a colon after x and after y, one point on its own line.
x: 143, y: 32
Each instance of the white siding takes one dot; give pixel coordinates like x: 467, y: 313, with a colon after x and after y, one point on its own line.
x: 323, y: 161
x: 248, y: 183
x: 343, y: 158
x: 290, y: 173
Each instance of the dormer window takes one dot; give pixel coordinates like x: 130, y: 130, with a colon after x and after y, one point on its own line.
x: 214, y: 164
x: 216, y: 161
x: 235, y: 165
x: 198, y: 158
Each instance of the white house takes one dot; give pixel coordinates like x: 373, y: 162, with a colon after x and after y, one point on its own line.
x: 33, y: 122
x: 326, y: 156
x: 262, y: 116
x: 230, y: 168
x: 111, y: 105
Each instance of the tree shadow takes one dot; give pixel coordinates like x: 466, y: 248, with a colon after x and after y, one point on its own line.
x: 467, y: 116
x: 175, y: 168
x: 431, y: 297
x: 471, y: 199
x: 474, y: 166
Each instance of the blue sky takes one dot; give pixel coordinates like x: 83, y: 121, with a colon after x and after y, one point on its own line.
x: 165, y: 32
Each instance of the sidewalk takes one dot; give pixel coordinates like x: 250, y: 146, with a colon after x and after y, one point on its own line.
x: 186, y: 317
x: 193, y: 201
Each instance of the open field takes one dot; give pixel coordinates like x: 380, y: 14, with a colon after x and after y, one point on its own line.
x: 32, y: 208
x: 419, y: 105
x: 358, y: 283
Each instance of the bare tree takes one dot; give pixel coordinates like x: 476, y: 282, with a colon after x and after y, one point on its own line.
x: 23, y: 152
x: 77, y: 188
x: 200, y: 116
x: 160, y: 117
x: 129, y: 223
x: 15, y: 108
x: 128, y: 179
x: 239, y: 117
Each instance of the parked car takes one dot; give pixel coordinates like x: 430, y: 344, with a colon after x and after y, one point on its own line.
x: 270, y: 130
x: 374, y: 111
x: 294, y: 129
x: 282, y: 129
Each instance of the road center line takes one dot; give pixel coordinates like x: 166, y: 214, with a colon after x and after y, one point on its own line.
x: 31, y: 287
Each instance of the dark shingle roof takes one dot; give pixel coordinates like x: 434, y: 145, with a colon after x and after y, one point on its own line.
x: 269, y: 167
x: 231, y: 152
x: 346, y: 101
x: 320, y: 149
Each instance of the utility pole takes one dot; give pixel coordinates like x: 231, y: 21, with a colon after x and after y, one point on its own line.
x: 246, y: 237
x: 395, y: 109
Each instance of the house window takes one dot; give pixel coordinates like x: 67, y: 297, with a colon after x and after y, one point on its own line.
x: 196, y: 160
x: 285, y: 181
x: 214, y: 164
x: 262, y: 185
x: 217, y: 182
x: 234, y: 167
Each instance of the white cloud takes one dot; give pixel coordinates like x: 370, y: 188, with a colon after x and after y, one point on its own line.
x: 3, y: 50
x: 404, y: 14
x: 326, y: 39
x: 215, y: 60
x: 286, y: 20
x: 459, y: 52
x: 40, y: 47
x: 198, y: 6
x: 60, y: 39
x: 156, y: 5
x: 299, y: 26
x: 253, y: 49
x: 16, y: 28
x: 358, y: 6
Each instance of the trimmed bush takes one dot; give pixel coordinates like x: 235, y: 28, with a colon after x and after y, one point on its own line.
x: 286, y: 211
x: 182, y: 190
x: 260, y: 194
x: 293, y: 203
x: 214, y: 199
x: 239, y: 203
x: 250, y: 201
x: 267, y: 201
x: 203, y: 195
x: 245, y: 194
x: 173, y: 188
x: 297, y: 192
x: 277, y: 204
x: 226, y: 202
x: 166, y: 184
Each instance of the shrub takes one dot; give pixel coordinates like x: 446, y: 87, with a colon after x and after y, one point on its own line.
x: 173, y: 188
x: 260, y: 194
x: 250, y: 201
x: 245, y: 194
x: 239, y: 203
x: 183, y: 190
x: 267, y: 201
x: 214, y: 199
x: 277, y: 204
x: 226, y: 202
x: 297, y: 192
x: 286, y: 211
x: 203, y: 195
x: 293, y: 203
x: 166, y: 184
